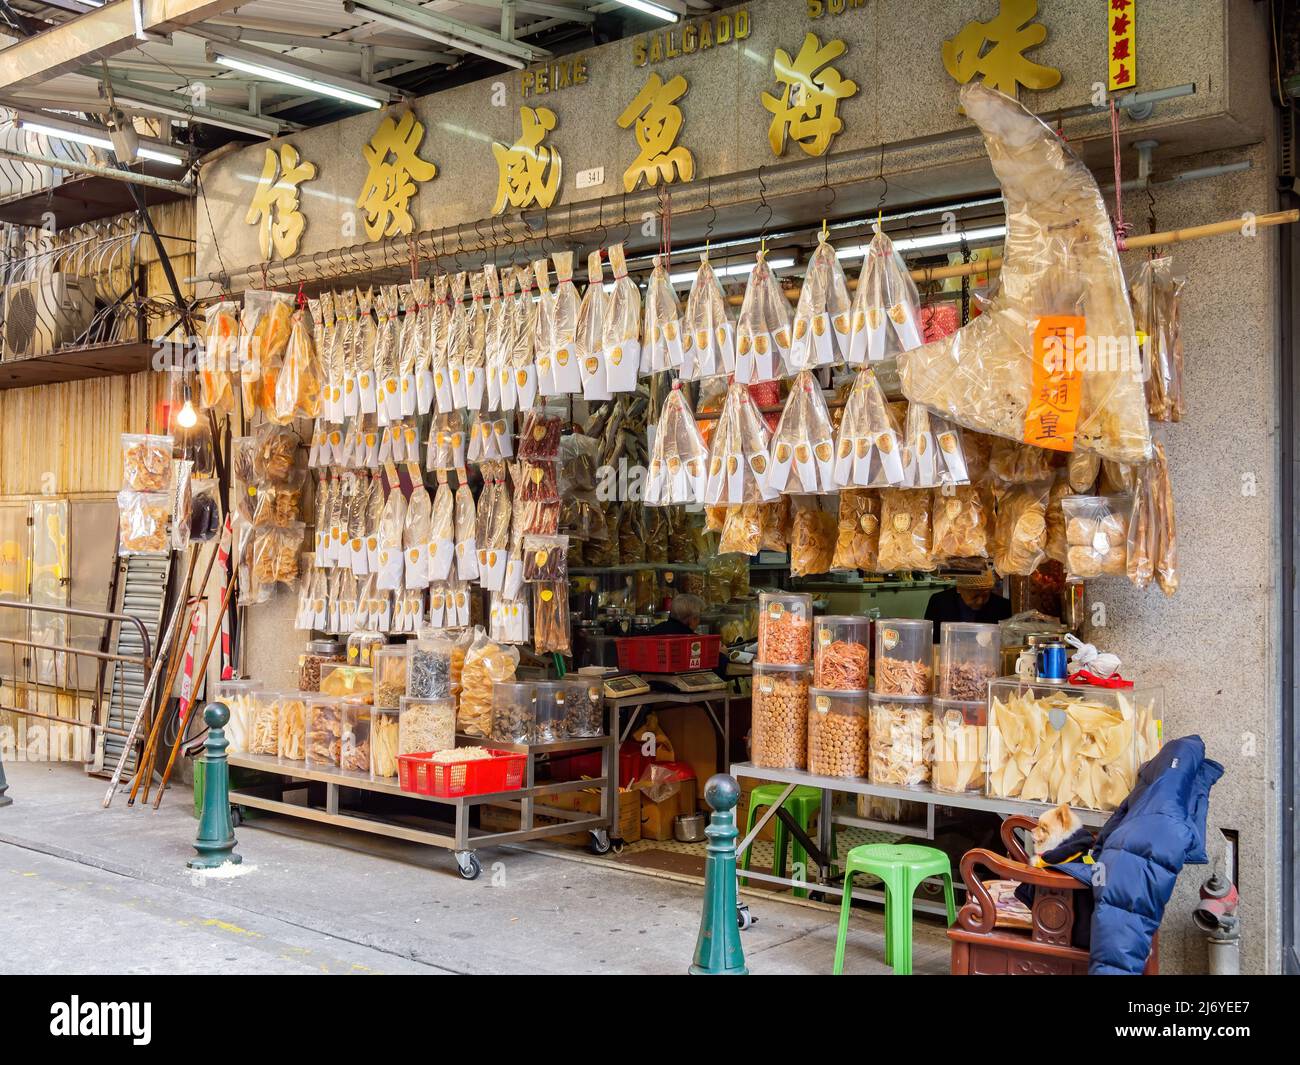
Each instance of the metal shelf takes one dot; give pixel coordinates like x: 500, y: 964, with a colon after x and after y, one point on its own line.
x: 77, y: 364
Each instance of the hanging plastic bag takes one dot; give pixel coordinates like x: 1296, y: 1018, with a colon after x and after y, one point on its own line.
x: 621, y: 336
x: 499, y: 337
x: 679, y: 461
x: 476, y: 351
x: 905, y: 534
x: 960, y: 522
x: 1096, y: 536
x: 388, y: 355
x: 857, y: 533
x: 886, y: 316
x: 297, y: 388
x: 589, y: 342
x: 562, y: 325
x: 458, y: 344
x: 466, y: 541
x: 1154, y: 291
x: 412, y: 343
x: 322, y: 321
x: 551, y: 618
x: 662, y: 349
x: 812, y: 537
x: 763, y: 329
x: 439, y: 382
x: 522, y: 359
x: 392, y: 523
x: 220, y: 356
x: 416, y: 535
x: 347, y: 326
x: 1020, y: 528
x: 367, y: 348
x: 545, y: 327
x: 492, y: 525
x: 1017, y: 463
x: 442, y: 533
x: 803, y: 448
x: 932, y: 450
x: 822, y: 318
x: 1152, y: 545
x: 447, y: 442
x: 707, y: 328
x: 739, y: 452
x: 868, y: 448
x: 267, y: 319
x: 376, y: 500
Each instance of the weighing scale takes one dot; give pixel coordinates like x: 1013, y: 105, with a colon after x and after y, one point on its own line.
x: 701, y: 680
x: 624, y: 685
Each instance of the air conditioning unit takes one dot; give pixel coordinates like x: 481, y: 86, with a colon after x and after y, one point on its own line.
x: 43, y: 315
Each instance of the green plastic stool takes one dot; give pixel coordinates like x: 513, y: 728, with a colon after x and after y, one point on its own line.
x: 803, y: 804
x: 902, y: 867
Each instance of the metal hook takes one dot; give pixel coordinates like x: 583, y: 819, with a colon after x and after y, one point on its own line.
x: 713, y: 216
x: 763, y: 205
x: 834, y: 195
x: 884, y: 189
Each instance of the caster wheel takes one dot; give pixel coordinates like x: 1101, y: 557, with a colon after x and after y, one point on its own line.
x: 599, y: 843
x: 744, y: 918
x: 469, y: 865
x: 616, y: 846
x: 236, y: 816
x: 816, y: 896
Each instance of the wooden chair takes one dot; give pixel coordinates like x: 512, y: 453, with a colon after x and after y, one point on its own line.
x: 980, y: 949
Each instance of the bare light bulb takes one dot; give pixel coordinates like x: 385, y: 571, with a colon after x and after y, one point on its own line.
x: 187, y: 418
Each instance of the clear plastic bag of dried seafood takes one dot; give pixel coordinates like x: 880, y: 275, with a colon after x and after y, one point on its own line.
x: 886, y: 305
x: 499, y: 338
x: 589, y: 342
x: 821, y: 320
x: 551, y: 618
x: 960, y: 519
x: 563, y: 326
x: 905, y: 533
x: 932, y: 450
x: 679, y: 462
x: 763, y: 329
x: 662, y: 348
x: 857, y: 538
x: 621, y: 333
x: 1152, y: 535
x: 738, y: 452
x: 439, y: 351
x: 476, y: 342
x: 803, y: 446
x: 219, y: 358
x: 708, y: 336
x: 487, y: 663
x: 1154, y: 291
x: 868, y: 446
x: 812, y: 536
x: 1020, y: 528
x: 1096, y: 535
x: 527, y: 313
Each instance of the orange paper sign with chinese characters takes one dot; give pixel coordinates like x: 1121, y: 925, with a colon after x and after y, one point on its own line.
x: 1121, y: 44
x: 1053, y: 411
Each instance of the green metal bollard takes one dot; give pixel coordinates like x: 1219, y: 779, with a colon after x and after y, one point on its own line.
x: 4, y: 784
x: 216, y: 839
x: 717, y: 950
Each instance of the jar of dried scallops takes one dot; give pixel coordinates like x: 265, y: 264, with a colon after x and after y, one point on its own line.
x: 901, y: 740
x: 837, y: 732
x: 960, y: 744
x: 779, y: 733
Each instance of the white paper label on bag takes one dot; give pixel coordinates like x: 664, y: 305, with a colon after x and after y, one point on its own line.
x: 443, y: 552
x: 621, y: 365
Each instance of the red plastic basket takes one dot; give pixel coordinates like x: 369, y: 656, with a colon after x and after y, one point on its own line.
x: 504, y: 771
x: 667, y: 654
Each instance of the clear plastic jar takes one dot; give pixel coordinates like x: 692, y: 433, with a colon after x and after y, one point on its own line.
x: 426, y: 725
x: 239, y: 697
x: 784, y: 628
x: 904, y: 656
x: 324, y: 730
x: 362, y: 646
x: 385, y: 735
x: 514, y: 711
x: 841, y: 652
x: 354, y: 739
x: 960, y: 744
x: 900, y: 747
x: 264, y: 722
x: 779, y: 734
x: 392, y: 670
x: 430, y: 668
x: 837, y: 732
x: 344, y: 681
x: 969, y: 655
x: 319, y: 653
x: 584, y: 706
x: 550, y: 712
x: 293, y: 726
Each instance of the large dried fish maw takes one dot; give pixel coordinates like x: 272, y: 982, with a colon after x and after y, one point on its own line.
x: 763, y: 329
x: 821, y: 321
x: 707, y: 333
x: 1060, y: 259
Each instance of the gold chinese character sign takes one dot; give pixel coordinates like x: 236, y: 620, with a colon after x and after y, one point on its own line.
x: 658, y: 121
x: 807, y: 111
x: 394, y: 170
x: 275, y: 209
x: 1010, y: 33
x: 528, y: 172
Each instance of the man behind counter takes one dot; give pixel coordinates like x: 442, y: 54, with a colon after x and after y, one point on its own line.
x: 683, y: 619
x: 973, y: 599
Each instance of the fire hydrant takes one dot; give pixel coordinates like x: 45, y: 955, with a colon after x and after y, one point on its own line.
x: 1216, y: 915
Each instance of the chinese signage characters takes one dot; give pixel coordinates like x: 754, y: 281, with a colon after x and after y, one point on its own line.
x: 395, y: 168
x: 657, y: 120
x: 528, y: 172
x: 275, y: 209
x: 995, y: 50
x: 806, y: 111
x: 1121, y: 40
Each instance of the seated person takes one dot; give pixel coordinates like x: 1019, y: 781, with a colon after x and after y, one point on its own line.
x: 683, y: 617
x: 973, y: 599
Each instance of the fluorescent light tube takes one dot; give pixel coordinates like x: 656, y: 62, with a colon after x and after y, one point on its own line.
x: 309, y: 84
x: 80, y: 137
x: 441, y: 38
x: 930, y: 240
x: 179, y: 111
x: 648, y: 7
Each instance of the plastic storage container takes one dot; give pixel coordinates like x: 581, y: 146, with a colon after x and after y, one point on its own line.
x: 901, y: 740
x: 430, y: 666
x: 784, y: 628
x: 1076, y: 744
x: 514, y: 711
x: 426, y: 725
x: 239, y: 697
x: 551, y: 712
x: 385, y: 735
x: 324, y: 730
x: 361, y: 647
x: 904, y: 656
x: 837, y: 732
x: 293, y: 726
x: 264, y: 722
x: 969, y: 657
x: 345, y: 681
x: 354, y: 739
x: 584, y: 706
x: 960, y: 744
x: 841, y: 652
x: 319, y: 653
x: 500, y: 771
x: 779, y: 734
x: 667, y: 654
x: 392, y: 668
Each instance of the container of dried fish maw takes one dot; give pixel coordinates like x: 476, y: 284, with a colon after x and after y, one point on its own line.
x: 319, y: 653
x: 385, y: 736
x: 841, y: 659
x: 324, y: 730
x: 901, y: 740
x: 969, y: 656
x: 904, y: 655
x: 240, y: 698
x: 1075, y: 744
x: 354, y: 736
x: 551, y: 724
x: 514, y: 712
x: 430, y: 668
x: 345, y: 680
x: 426, y: 725
x: 960, y: 744
x: 584, y: 706
x: 779, y: 733
x: 392, y: 668
x: 837, y: 732
x: 784, y: 628
x: 293, y: 727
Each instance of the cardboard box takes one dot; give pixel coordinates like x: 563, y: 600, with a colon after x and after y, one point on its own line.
x: 628, y: 824
x: 694, y: 741
x: 657, y: 817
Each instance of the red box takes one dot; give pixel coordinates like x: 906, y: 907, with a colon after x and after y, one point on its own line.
x: 667, y: 654
x: 504, y: 771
